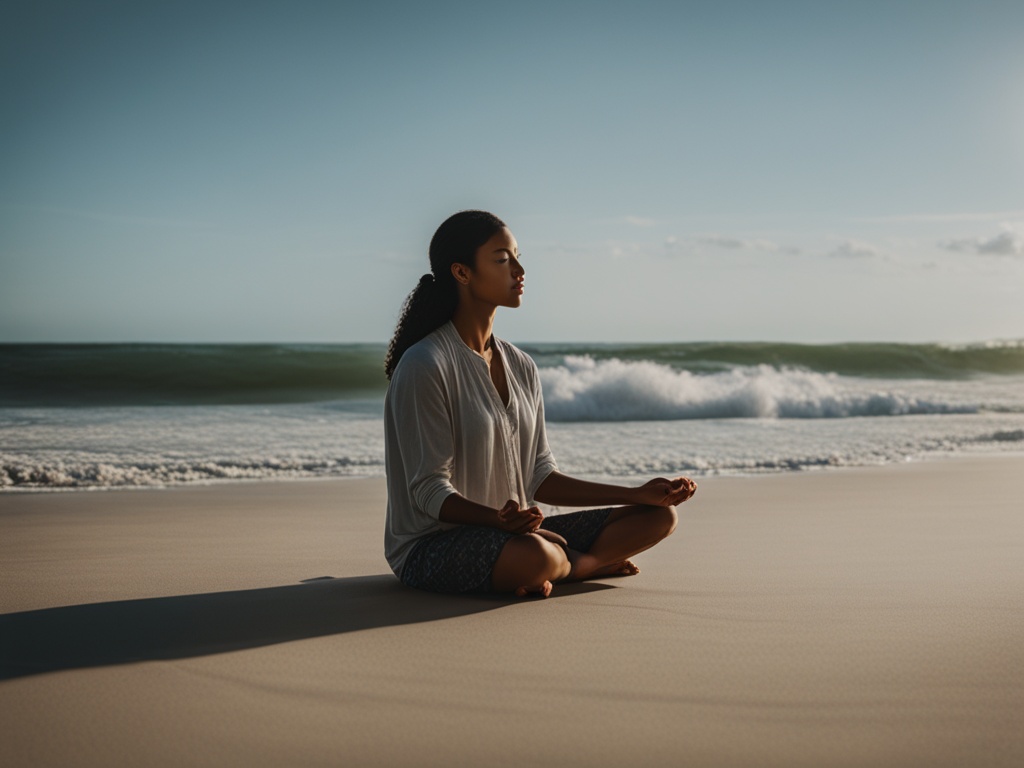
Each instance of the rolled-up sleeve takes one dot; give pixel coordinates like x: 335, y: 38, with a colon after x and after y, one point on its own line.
x: 422, y: 417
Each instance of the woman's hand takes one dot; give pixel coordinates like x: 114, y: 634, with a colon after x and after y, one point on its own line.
x: 662, y: 492
x: 514, y: 519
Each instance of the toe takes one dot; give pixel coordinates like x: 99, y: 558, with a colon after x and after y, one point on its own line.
x: 540, y: 590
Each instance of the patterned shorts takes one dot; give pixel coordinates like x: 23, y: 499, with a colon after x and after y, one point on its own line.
x: 461, y: 559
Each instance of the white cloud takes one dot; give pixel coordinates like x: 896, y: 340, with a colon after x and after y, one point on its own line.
x: 736, y: 243
x: 1006, y: 243
x: 854, y: 249
x: 1003, y: 244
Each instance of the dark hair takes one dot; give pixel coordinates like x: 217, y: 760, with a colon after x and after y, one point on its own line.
x: 433, y: 301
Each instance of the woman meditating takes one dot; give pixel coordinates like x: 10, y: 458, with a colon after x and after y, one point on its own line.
x: 466, y: 451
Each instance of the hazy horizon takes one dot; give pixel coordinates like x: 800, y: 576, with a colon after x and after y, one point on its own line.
x: 994, y: 343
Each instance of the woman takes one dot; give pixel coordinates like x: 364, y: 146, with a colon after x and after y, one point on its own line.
x: 466, y: 451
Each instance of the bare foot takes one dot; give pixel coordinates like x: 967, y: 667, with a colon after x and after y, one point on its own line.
x: 586, y: 566
x: 538, y: 590
x: 624, y: 568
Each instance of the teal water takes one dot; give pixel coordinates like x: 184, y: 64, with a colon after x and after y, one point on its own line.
x: 190, y: 374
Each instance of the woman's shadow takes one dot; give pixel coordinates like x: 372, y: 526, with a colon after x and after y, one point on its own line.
x: 102, y: 634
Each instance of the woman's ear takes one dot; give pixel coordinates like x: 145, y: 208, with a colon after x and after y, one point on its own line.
x: 461, y: 273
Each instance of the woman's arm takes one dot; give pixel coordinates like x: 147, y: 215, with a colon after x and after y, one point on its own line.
x: 459, y: 510
x: 562, y: 490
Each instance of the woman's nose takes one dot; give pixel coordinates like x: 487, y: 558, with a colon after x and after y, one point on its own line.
x: 517, y: 268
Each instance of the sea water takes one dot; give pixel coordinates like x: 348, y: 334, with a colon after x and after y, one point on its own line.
x: 126, y: 415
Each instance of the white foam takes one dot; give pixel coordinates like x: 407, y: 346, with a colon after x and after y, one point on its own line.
x: 96, y: 448
x: 990, y: 344
x: 77, y: 473
x: 583, y: 389
x: 155, y: 446
x: 643, y: 449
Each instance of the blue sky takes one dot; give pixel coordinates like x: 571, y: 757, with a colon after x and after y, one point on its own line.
x: 222, y: 171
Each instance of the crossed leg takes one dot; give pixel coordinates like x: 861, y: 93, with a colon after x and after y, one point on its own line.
x: 531, y: 564
x: 628, y: 531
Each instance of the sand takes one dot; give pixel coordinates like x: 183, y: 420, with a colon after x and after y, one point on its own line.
x: 855, y: 617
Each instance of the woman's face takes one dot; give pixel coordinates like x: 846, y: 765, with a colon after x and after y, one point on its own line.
x: 497, y: 277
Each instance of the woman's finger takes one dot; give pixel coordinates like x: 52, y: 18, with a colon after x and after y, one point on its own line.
x: 529, y: 526
x: 510, y: 508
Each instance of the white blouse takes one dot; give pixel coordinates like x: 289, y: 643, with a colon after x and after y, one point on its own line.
x: 447, y: 431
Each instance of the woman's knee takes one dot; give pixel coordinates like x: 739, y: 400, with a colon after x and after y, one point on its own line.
x: 527, y: 560
x: 663, y: 520
x: 657, y: 522
x: 543, y: 556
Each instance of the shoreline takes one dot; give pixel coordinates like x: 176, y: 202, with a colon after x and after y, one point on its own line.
x: 613, y: 479
x: 804, y: 618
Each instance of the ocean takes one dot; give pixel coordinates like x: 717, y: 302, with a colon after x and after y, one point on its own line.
x: 106, y: 416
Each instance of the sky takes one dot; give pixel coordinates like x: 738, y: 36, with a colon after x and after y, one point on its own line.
x: 672, y: 171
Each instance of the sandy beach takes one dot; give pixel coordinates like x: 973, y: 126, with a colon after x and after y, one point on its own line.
x: 854, y: 617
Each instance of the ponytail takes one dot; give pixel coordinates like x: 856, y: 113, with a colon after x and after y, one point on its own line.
x: 426, y: 308
x: 433, y: 301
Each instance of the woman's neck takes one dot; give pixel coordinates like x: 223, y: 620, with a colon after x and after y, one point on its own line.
x: 475, y: 327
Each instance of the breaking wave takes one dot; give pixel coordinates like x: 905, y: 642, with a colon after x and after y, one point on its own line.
x: 585, y: 389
